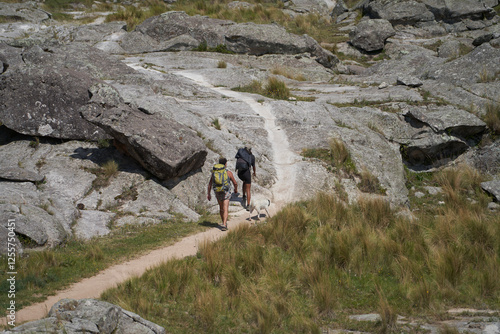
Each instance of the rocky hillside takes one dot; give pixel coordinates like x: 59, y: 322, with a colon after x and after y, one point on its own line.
x: 410, y: 89
x: 103, y: 126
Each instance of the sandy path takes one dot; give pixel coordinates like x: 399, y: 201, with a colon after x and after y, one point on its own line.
x: 92, y: 287
x: 283, y: 158
x: 282, y: 190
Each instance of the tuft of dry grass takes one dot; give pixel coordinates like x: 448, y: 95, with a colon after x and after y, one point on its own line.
x: 110, y: 168
x: 276, y: 89
x: 221, y: 64
x: 213, y: 264
x: 95, y: 253
x: 387, y: 313
x: 492, y: 117
x: 134, y: 16
x: 341, y: 156
x: 288, y: 73
x: 376, y: 211
x: 370, y: 183
x: 208, y: 304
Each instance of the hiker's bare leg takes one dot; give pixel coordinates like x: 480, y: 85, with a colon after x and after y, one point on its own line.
x: 225, y: 213
x: 221, y: 210
x: 246, y: 191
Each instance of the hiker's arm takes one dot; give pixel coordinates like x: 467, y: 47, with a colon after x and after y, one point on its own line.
x: 254, y: 172
x: 231, y: 177
x: 209, y: 190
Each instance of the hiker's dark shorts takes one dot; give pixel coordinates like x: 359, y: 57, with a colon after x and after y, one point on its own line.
x: 245, y: 176
x: 223, y: 195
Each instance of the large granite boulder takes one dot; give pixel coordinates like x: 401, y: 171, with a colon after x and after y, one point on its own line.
x: 435, y: 135
x: 339, y: 9
x: 455, y: 10
x: 399, y: 12
x: 485, y: 158
x: 9, y: 56
x: 62, y: 75
x: 36, y: 219
x: 15, y: 173
x: 370, y: 35
x: 79, y: 57
x: 25, y: 11
x: 175, y: 31
x: 52, y: 108
x: 72, y: 316
x: 162, y: 146
x: 446, y: 119
x: 321, y: 7
x: 493, y: 188
x: 468, y: 68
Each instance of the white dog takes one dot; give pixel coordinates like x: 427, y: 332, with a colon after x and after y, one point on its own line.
x: 258, y: 204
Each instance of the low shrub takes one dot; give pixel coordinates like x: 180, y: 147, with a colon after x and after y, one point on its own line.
x: 277, y: 89
x: 221, y: 64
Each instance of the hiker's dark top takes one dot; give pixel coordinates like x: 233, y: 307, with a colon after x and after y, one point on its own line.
x: 245, y: 155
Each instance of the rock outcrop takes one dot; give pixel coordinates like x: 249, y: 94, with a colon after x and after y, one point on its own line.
x: 51, y: 110
x: 26, y: 11
x: 410, y: 12
x: 62, y: 77
x: 88, y: 316
x: 162, y: 146
x: 399, y: 12
x: 370, y: 35
x: 175, y: 31
x: 493, y: 188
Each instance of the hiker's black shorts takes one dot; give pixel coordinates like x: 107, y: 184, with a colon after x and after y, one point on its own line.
x: 245, y: 176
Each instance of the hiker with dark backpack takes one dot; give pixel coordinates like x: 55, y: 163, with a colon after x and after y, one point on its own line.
x: 244, y: 161
x: 220, y: 182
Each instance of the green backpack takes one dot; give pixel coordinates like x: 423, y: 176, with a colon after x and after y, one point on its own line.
x: 220, y: 178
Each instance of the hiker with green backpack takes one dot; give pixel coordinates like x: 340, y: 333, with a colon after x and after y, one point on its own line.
x: 219, y: 181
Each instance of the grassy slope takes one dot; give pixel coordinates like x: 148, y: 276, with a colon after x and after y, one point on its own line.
x: 317, y: 262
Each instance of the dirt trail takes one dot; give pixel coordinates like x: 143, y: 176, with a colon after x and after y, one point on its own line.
x: 283, y: 158
x: 282, y: 190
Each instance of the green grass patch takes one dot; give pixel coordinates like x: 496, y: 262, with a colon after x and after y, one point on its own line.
x: 216, y: 124
x: 10, y: 19
x: 336, y: 156
x: 42, y: 273
x: 104, y: 174
x: 274, y: 88
x: 134, y: 16
x: 321, y: 257
x: 61, y: 5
